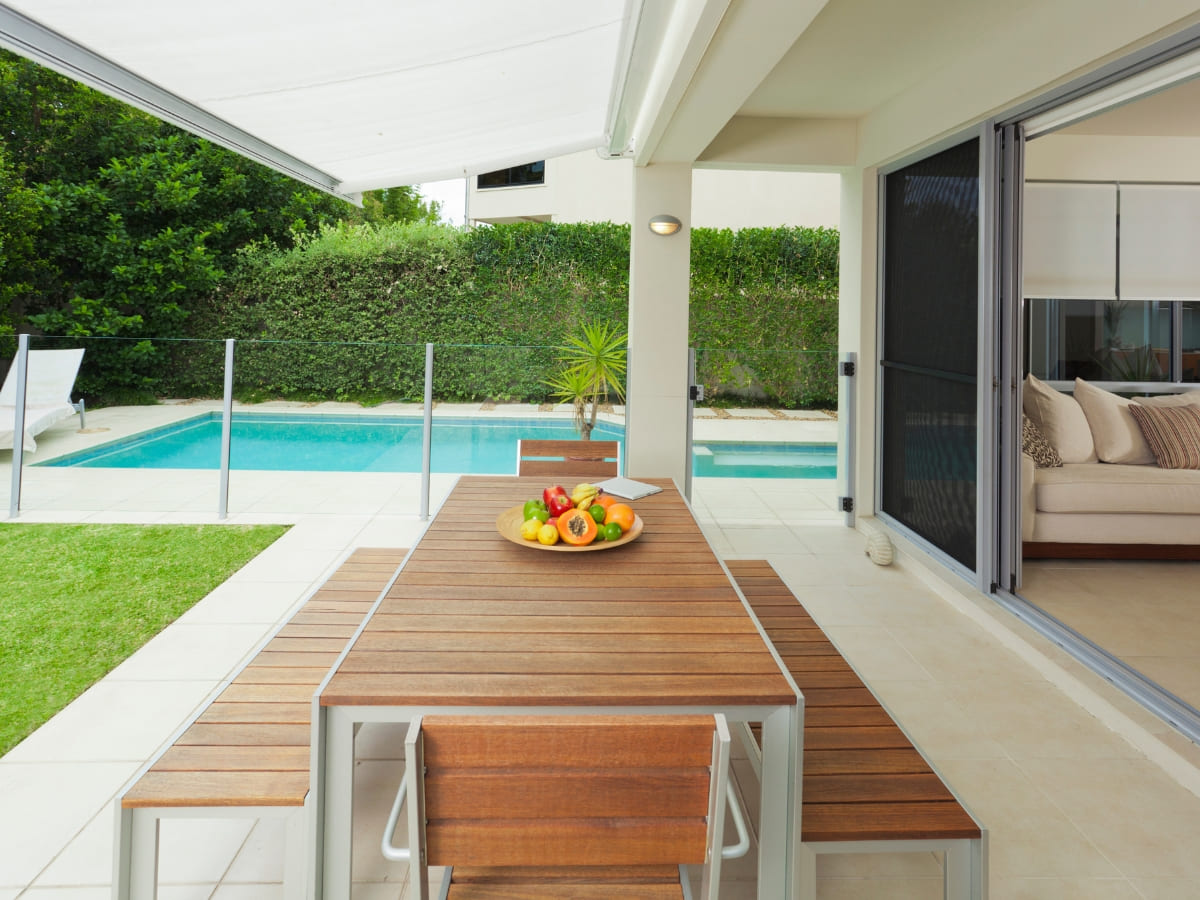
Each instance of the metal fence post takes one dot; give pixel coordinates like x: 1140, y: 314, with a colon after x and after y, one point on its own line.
x: 226, y: 433
x: 427, y: 434
x: 18, y: 454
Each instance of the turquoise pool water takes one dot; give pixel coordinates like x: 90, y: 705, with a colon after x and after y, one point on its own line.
x: 329, y: 443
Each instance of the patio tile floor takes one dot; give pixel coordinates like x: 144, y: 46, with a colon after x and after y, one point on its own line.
x: 1084, y: 794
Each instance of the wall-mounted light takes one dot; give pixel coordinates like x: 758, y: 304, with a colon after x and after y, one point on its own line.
x: 665, y: 224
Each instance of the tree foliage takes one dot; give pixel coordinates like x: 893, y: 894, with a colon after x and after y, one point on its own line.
x: 127, y: 221
x: 397, y: 204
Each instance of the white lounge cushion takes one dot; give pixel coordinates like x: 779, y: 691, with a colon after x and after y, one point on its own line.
x: 37, y: 420
x: 1112, y: 528
x: 1060, y: 418
x: 49, y: 381
x: 1104, y: 488
x: 1115, y: 432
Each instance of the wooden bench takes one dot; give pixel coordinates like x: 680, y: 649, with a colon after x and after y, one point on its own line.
x: 866, y: 788
x: 563, y: 806
x: 247, y: 753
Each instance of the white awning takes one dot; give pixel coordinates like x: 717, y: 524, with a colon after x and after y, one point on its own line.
x: 354, y: 94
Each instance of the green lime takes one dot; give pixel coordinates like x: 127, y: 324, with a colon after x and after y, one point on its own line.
x: 612, y: 531
x: 598, y: 513
x: 599, y: 534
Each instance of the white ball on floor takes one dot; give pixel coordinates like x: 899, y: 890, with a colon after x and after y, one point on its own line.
x: 879, y: 548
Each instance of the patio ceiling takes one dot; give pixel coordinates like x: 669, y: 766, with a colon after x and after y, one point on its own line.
x: 350, y: 96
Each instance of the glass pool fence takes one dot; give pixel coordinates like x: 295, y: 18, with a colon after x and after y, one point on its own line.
x: 423, y: 409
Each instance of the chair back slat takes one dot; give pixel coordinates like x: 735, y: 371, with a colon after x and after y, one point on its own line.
x: 562, y: 458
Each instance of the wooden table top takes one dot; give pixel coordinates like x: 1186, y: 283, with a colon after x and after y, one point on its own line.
x: 476, y: 620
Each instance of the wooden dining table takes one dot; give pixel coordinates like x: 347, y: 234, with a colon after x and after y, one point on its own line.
x: 475, y: 624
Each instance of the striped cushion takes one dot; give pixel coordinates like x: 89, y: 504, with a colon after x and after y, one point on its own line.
x: 1173, y: 433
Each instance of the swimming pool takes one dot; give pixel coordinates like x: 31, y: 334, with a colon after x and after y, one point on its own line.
x: 362, y: 443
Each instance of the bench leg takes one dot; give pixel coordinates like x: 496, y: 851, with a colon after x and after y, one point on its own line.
x: 295, y: 854
x: 806, y: 872
x: 135, y: 870
x: 966, y: 870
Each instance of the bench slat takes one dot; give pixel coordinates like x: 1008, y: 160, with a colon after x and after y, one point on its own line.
x: 266, y: 713
x: 234, y: 759
x: 246, y: 734
x: 217, y: 789
x: 887, y: 821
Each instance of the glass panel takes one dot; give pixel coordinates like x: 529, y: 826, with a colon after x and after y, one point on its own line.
x: 930, y: 353
x: 929, y: 460
x: 1116, y: 340
x: 1191, y: 341
x: 530, y: 173
x: 766, y: 414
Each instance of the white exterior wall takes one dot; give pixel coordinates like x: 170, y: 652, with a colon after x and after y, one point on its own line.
x: 582, y: 187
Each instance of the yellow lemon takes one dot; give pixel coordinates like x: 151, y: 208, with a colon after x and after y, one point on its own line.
x: 547, y: 534
x: 530, y: 529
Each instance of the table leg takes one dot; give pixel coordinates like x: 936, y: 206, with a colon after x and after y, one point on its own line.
x: 779, y: 822
x: 335, y: 806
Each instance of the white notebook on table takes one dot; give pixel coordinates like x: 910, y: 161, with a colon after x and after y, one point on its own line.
x: 627, y: 488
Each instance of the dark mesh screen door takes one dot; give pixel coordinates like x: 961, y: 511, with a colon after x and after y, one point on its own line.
x: 930, y: 348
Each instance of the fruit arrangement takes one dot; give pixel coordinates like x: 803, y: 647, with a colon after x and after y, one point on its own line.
x: 584, y: 516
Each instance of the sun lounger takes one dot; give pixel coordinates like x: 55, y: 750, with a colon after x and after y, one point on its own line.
x: 49, y: 381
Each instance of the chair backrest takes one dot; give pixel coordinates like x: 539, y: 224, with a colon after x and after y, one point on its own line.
x: 567, y: 791
x: 49, y: 380
x: 558, y: 458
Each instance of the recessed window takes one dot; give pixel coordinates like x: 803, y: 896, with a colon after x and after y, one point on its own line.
x: 530, y: 173
x: 1114, y: 340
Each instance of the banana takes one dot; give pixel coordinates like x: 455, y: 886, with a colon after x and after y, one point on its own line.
x: 583, y: 494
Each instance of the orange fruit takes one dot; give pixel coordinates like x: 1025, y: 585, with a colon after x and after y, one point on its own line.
x: 605, y: 500
x: 622, y: 514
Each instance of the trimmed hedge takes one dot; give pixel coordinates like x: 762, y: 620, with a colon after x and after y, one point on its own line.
x: 356, y: 306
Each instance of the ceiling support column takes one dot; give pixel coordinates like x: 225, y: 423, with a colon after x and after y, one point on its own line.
x: 659, y: 282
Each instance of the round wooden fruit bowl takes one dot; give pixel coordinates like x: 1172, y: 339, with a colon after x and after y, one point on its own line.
x: 509, y: 522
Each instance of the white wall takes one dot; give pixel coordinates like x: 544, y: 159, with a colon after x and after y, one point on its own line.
x: 1087, y: 157
x: 582, y: 187
x: 1023, y: 56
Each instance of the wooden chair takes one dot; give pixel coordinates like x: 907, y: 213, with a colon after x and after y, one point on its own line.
x: 613, y: 806
x: 578, y: 458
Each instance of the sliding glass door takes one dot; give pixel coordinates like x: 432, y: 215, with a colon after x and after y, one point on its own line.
x: 930, y: 350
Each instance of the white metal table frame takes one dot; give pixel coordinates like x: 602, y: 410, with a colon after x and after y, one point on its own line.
x: 334, y: 729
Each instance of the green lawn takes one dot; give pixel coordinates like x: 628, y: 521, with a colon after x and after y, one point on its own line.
x: 76, y: 600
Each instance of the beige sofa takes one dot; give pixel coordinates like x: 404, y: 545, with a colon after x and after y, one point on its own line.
x: 1109, y: 498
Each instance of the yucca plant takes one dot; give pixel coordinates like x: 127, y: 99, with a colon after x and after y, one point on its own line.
x: 593, y: 367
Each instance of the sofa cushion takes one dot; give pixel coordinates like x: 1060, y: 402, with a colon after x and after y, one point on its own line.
x: 1036, y: 447
x: 1173, y: 433
x: 1115, y: 432
x: 1105, y: 488
x: 1184, y: 398
x: 1060, y: 419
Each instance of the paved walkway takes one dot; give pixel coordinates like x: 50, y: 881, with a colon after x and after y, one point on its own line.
x: 1084, y: 795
